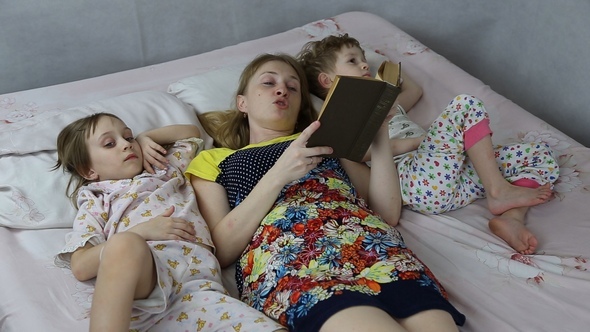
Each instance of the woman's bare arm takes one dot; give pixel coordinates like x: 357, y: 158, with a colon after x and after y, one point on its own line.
x: 232, y: 229
x: 379, y: 184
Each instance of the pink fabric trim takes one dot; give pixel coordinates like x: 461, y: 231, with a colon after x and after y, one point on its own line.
x: 476, y: 133
x: 528, y: 183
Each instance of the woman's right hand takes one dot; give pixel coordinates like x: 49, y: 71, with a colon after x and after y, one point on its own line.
x: 298, y: 159
x: 165, y: 227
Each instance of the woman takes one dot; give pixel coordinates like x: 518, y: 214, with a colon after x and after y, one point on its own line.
x: 310, y: 251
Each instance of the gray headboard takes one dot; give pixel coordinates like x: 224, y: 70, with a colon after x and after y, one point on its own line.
x: 536, y: 53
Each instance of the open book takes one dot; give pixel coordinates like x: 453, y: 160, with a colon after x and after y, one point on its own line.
x: 353, y: 111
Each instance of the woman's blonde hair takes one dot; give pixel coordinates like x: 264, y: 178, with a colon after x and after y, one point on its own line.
x: 230, y: 128
x: 72, y: 152
x: 320, y: 56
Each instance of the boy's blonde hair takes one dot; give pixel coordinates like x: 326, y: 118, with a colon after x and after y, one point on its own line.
x: 72, y: 152
x: 230, y: 128
x: 320, y: 56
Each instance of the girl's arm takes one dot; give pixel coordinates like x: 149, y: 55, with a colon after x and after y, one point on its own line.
x: 379, y: 184
x: 232, y: 229
x: 151, y: 142
x: 171, y: 134
x: 85, y: 260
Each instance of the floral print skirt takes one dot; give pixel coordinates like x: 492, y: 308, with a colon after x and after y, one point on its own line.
x: 321, y: 241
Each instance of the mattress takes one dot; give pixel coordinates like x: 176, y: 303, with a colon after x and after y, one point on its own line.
x: 495, y: 287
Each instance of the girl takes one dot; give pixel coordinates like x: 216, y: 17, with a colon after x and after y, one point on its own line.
x: 140, y: 233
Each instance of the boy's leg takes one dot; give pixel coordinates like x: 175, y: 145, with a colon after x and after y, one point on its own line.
x: 438, y: 177
x: 501, y: 194
x: 510, y: 226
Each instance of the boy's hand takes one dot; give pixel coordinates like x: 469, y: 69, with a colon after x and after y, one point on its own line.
x: 165, y: 227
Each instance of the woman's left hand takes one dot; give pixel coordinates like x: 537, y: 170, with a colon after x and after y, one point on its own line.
x: 298, y: 159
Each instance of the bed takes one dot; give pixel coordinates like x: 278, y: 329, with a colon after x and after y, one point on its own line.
x: 495, y: 287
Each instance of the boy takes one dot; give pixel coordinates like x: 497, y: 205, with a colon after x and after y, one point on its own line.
x: 450, y: 166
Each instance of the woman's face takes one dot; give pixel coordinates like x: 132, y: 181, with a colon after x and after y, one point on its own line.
x: 273, y: 97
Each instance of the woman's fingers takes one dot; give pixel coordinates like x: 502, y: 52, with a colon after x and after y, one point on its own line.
x: 301, y: 141
x: 306, y: 133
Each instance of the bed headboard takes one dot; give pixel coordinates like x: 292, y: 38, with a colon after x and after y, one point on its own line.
x: 534, y: 55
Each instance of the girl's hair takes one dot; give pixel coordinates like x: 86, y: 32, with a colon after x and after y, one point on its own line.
x: 230, y: 128
x: 320, y: 56
x: 72, y: 152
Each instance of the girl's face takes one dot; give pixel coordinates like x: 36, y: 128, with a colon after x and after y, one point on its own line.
x: 273, y: 97
x: 350, y: 61
x: 114, y: 152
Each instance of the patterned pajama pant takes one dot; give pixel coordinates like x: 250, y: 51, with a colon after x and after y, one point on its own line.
x: 191, y: 297
x: 438, y: 177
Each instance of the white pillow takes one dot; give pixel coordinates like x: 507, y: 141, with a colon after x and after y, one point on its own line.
x: 31, y: 195
x: 215, y: 89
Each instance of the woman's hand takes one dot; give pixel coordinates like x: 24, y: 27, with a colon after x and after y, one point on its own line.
x: 153, y: 153
x: 165, y: 227
x: 298, y: 159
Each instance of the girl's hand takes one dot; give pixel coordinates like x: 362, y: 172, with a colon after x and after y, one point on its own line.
x: 165, y: 227
x: 153, y: 153
x: 298, y: 159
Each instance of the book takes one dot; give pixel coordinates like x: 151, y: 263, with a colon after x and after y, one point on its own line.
x: 353, y: 111
x: 390, y: 72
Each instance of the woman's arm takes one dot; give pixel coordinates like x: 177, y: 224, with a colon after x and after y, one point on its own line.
x: 232, y: 229
x: 379, y: 184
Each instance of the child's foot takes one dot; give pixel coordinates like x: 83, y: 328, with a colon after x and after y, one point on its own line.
x: 509, y: 197
x: 515, y: 233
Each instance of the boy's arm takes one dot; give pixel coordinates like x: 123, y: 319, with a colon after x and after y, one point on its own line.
x: 151, y: 142
x: 409, y: 96
x: 403, y: 145
x: 399, y: 146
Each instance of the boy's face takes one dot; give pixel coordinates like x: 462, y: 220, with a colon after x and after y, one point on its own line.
x: 350, y: 61
x: 114, y: 152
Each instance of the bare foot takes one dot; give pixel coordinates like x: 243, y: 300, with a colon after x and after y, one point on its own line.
x: 510, y: 196
x: 512, y: 230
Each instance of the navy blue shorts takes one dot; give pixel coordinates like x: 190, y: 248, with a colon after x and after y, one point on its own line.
x: 400, y: 299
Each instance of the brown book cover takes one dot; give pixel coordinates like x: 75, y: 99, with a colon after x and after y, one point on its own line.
x: 390, y: 72
x: 353, y: 111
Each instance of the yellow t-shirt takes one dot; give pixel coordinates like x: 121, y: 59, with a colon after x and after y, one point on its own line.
x: 206, y: 164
